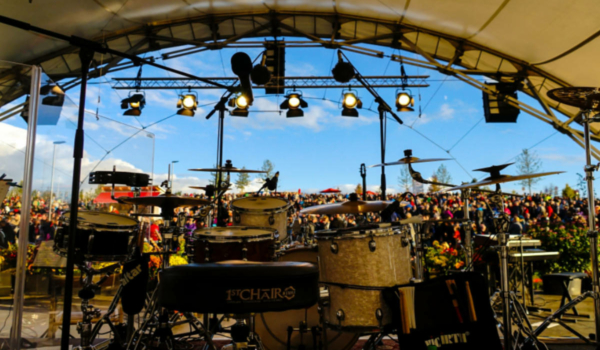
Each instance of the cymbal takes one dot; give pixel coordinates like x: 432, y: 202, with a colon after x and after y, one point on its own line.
x: 410, y: 160
x: 501, y: 179
x: 165, y: 201
x: 350, y: 207
x: 204, y: 188
x: 582, y: 97
x: 228, y: 170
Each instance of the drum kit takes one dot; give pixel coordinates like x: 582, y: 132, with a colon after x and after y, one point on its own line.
x: 322, y: 295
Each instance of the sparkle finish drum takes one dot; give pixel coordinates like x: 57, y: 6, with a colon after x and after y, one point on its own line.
x: 234, y: 243
x: 273, y: 326
x: 356, y: 264
x: 99, y: 236
x: 269, y: 212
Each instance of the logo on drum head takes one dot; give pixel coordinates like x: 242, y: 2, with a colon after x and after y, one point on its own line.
x: 289, y: 293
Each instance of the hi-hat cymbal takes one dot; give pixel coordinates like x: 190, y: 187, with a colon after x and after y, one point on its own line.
x: 351, y: 207
x: 501, y: 179
x: 228, y: 170
x: 410, y: 160
x: 165, y: 201
x: 582, y: 97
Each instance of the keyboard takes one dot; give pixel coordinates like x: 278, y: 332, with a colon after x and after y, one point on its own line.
x: 537, y: 255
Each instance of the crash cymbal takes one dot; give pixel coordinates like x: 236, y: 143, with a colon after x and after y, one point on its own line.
x: 228, y: 170
x: 409, y: 159
x: 204, y: 188
x: 501, y: 179
x: 582, y: 97
x: 165, y: 201
x: 350, y: 207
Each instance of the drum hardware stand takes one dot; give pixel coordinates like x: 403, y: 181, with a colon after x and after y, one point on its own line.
x: 468, y: 245
x: 363, y: 174
x: 84, y: 328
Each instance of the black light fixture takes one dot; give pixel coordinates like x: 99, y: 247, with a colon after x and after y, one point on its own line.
x: 496, y: 106
x: 294, y: 104
x: 260, y: 74
x: 240, y: 102
x: 187, y: 104
x: 404, y: 101
x: 350, y: 102
x: 56, y: 97
x: 134, y: 104
x: 343, y: 72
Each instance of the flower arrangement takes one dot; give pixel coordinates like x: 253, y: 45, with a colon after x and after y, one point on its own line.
x: 441, y: 258
x: 570, y: 241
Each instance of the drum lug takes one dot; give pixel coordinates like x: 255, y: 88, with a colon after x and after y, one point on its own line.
x: 372, y: 245
x: 379, y: 314
x: 207, y: 254
x: 404, y: 241
x: 236, y: 217
x: 244, y: 253
x: 272, y: 220
x: 340, y: 315
x: 334, y: 248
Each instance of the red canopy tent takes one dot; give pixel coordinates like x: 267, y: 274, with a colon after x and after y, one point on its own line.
x: 124, y: 191
x: 371, y: 193
x: 331, y: 190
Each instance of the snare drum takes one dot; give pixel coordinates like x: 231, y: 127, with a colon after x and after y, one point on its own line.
x: 234, y: 243
x: 272, y: 327
x: 356, y: 264
x: 262, y: 212
x: 99, y: 236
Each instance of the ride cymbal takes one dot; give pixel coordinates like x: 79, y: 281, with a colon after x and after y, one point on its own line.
x: 501, y: 179
x: 350, y: 207
x: 165, y: 201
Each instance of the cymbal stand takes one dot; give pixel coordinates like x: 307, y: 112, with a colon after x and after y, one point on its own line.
x: 592, y: 234
x: 467, y: 244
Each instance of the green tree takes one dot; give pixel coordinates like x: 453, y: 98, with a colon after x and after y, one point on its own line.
x: 358, y: 190
x: 434, y: 188
x: 268, y: 167
x: 568, y: 191
x: 405, y: 180
x: 443, y: 175
x: 528, y: 163
x: 243, y: 180
x: 214, y: 178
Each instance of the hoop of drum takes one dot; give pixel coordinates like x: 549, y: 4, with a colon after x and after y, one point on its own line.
x: 355, y: 264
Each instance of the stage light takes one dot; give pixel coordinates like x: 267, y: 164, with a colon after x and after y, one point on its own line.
x: 343, y: 72
x: 240, y: 103
x: 404, y: 102
x: 133, y: 104
x: 294, y: 104
x: 260, y: 74
x: 56, y: 95
x: 350, y: 102
x: 187, y: 104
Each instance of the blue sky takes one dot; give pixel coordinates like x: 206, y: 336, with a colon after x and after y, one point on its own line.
x: 321, y: 150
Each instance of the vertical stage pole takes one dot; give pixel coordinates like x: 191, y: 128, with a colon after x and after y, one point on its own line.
x: 17, y: 321
x: 85, y: 56
x: 382, y: 139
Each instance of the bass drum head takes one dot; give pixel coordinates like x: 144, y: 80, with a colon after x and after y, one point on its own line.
x: 96, y: 218
x: 272, y: 326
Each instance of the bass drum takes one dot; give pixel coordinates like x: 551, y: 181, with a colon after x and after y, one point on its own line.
x: 272, y: 327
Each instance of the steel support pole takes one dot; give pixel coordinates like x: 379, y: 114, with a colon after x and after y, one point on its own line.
x: 17, y: 320
x: 85, y: 55
x: 592, y: 232
x: 467, y: 229
x: 382, y: 140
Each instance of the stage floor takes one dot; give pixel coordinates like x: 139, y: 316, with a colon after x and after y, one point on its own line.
x: 36, y: 321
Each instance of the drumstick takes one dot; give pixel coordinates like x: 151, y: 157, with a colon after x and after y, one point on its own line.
x: 450, y: 285
x: 472, y: 314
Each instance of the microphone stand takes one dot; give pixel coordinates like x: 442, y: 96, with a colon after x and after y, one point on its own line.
x: 363, y: 174
x: 382, y: 109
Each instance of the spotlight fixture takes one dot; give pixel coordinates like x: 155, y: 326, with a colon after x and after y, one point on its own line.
x: 260, y: 74
x: 294, y: 104
x: 404, y: 101
x: 240, y: 102
x: 56, y: 95
x: 350, y: 102
x: 134, y: 104
x: 343, y: 72
x: 187, y: 104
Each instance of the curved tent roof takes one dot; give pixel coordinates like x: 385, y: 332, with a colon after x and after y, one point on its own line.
x: 551, y: 43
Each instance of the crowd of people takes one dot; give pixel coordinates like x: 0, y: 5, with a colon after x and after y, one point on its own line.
x: 443, y: 209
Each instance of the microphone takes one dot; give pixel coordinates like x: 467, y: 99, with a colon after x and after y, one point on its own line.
x: 343, y: 72
x: 272, y: 183
x: 241, y: 65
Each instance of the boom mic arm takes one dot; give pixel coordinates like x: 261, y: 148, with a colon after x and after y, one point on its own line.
x: 418, y: 178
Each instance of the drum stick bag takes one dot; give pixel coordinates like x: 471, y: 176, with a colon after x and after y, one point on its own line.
x: 444, y: 312
x: 134, y: 282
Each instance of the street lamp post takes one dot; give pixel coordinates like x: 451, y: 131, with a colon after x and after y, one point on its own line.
x: 52, y: 177
x: 173, y: 172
